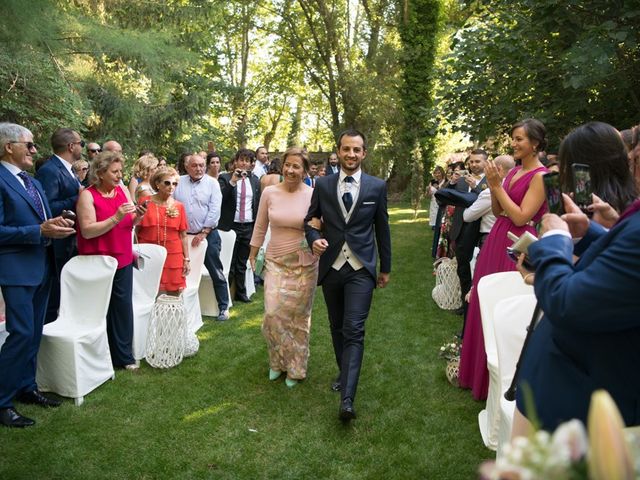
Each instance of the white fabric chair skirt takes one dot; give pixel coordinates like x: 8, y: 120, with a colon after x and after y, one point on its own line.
x: 206, y: 294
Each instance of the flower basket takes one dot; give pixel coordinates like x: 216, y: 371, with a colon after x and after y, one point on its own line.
x: 452, y: 370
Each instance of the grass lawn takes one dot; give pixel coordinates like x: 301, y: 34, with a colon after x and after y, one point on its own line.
x: 217, y: 416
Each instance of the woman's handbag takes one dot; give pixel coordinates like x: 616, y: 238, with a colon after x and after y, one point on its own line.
x: 259, y: 261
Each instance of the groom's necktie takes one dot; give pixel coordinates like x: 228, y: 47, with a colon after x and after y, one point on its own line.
x: 33, y: 193
x: 347, y: 198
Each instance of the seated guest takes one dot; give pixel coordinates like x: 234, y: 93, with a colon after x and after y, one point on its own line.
x: 105, y: 220
x: 25, y: 269
x: 165, y: 224
x: 291, y: 270
x: 588, y: 338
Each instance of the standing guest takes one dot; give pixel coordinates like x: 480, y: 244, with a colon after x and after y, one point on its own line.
x: 435, y: 184
x: 62, y: 188
x: 106, y: 218
x: 322, y: 170
x: 25, y: 229
x: 333, y: 166
x: 202, y: 200
x: 180, y: 166
x: 261, y: 162
x: 144, y: 168
x: 213, y: 164
x: 518, y: 202
x: 112, y: 146
x: 353, y: 208
x: 273, y: 176
x: 93, y: 149
x: 162, y: 162
x: 310, y: 179
x: 291, y: 269
x: 165, y: 224
x: 80, y: 170
x: 240, y: 200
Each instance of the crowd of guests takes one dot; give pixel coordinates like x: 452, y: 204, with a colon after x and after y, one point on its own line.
x: 80, y: 206
x: 584, y: 267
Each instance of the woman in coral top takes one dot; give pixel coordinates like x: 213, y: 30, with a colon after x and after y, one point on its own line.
x: 165, y: 224
x: 291, y: 269
x: 106, y: 217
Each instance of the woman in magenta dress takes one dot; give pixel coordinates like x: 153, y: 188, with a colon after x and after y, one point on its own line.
x: 165, y: 224
x: 518, y: 204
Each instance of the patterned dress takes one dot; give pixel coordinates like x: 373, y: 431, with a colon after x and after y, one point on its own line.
x: 291, y: 274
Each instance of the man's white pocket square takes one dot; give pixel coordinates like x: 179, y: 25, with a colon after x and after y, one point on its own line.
x: 368, y: 203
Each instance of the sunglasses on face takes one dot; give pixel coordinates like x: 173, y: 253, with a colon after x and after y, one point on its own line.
x: 81, y: 142
x: 29, y: 145
x: 95, y: 150
x: 168, y: 183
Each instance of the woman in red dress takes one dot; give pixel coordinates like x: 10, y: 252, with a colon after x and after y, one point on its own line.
x: 165, y: 224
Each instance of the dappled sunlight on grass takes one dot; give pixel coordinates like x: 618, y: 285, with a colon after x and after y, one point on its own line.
x: 206, y: 334
x: 212, y: 410
x: 251, y: 322
x: 407, y: 216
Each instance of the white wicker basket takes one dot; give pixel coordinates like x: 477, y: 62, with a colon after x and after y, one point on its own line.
x: 167, y: 332
x: 446, y: 293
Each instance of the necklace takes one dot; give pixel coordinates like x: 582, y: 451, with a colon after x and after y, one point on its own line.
x: 164, y: 240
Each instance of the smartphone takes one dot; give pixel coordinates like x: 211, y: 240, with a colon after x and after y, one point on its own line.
x: 555, y: 204
x: 581, y: 185
x: 462, y: 173
x: 68, y: 214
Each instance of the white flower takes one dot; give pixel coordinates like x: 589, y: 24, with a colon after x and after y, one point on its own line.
x: 571, y: 437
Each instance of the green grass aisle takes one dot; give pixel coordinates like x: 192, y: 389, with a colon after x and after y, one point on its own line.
x: 217, y: 416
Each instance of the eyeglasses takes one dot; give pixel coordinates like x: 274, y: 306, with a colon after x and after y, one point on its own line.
x: 29, y: 145
x: 169, y: 183
x: 95, y: 150
x: 81, y: 142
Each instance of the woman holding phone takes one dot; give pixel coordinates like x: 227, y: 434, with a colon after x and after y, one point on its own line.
x: 518, y: 204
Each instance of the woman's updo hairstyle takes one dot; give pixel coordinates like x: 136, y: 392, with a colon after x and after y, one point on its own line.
x: 535, y: 132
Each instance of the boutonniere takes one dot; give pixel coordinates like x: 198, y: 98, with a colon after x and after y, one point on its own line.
x: 172, y: 211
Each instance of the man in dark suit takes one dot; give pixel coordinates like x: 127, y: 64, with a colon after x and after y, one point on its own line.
x: 62, y: 188
x: 333, y: 166
x: 353, y: 209
x: 25, y: 227
x: 240, y: 200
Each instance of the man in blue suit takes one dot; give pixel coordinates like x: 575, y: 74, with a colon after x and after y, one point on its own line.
x: 589, y: 336
x: 25, y: 229
x: 62, y: 189
x: 353, y: 209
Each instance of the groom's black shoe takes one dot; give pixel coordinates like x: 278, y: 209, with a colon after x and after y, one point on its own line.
x: 347, y: 412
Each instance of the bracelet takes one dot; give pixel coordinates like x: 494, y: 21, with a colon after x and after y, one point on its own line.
x: 186, y: 259
x: 527, y: 276
x: 115, y: 222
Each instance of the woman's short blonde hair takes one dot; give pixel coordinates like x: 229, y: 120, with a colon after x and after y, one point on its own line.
x: 297, y: 152
x: 101, y: 164
x: 144, y: 165
x: 162, y: 173
x: 78, y: 164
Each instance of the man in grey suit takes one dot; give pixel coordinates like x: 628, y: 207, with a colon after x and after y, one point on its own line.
x: 353, y: 208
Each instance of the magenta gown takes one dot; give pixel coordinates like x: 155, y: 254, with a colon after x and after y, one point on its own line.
x: 492, y: 259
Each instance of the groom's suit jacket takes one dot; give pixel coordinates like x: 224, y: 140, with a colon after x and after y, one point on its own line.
x: 590, y: 333
x: 367, y: 226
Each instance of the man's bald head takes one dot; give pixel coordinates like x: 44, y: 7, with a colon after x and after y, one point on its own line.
x: 112, y: 146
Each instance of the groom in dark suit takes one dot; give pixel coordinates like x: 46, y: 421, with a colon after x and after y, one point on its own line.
x: 353, y: 208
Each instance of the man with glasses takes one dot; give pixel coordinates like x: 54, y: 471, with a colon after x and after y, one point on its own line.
x: 93, y: 149
x: 62, y: 188
x: 26, y: 225
x: 201, y: 197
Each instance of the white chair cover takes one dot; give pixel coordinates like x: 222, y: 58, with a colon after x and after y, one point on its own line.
x: 74, y: 356
x: 491, y: 289
x: 167, y: 332
x: 146, y: 282
x: 208, y: 300
x: 510, y: 320
x: 190, y: 293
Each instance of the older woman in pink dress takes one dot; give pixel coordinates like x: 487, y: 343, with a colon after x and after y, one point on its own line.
x: 291, y: 269
x: 518, y: 203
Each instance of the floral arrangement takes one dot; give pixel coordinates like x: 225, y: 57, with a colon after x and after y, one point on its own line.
x: 607, y: 453
x: 450, y: 350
